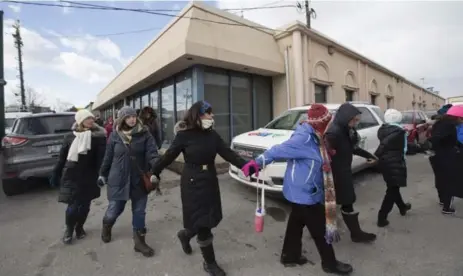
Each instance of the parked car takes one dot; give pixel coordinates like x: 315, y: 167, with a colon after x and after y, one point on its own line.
x: 10, y: 117
x: 418, y: 127
x: 32, y: 147
x: 251, y: 144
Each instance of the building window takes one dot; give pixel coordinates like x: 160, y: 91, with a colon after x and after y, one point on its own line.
x: 263, y: 103
x: 136, y: 102
x: 349, y: 95
x: 320, y: 93
x: 184, y: 94
x: 145, y: 101
x: 241, y: 104
x: 216, y: 92
x: 167, y: 111
x: 129, y: 101
x: 154, y: 100
x: 373, y: 99
x: 388, y: 103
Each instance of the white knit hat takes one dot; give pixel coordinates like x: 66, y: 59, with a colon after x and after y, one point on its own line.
x: 392, y: 116
x: 83, y: 114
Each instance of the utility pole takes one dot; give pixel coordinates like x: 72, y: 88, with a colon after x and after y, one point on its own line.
x: 307, y: 14
x: 2, y: 84
x: 18, y: 43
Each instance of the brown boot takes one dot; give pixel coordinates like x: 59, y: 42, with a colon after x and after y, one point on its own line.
x: 140, y: 244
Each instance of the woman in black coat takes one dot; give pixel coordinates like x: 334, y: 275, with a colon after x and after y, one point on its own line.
x: 200, y: 193
x: 131, y: 152
x: 447, y: 159
x: 391, y: 153
x: 79, y: 161
x: 149, y: 118
x: 343, y: 139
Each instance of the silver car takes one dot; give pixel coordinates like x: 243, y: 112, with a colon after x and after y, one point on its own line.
x: 32, y: 148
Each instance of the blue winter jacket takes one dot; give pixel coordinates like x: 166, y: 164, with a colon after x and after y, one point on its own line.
x: 303, y: 180
x: 460, y: 133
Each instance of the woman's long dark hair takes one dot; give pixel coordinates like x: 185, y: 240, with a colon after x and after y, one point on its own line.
x: 192, y: 117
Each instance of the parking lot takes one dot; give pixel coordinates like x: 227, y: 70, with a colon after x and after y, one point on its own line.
x: 423, y: 243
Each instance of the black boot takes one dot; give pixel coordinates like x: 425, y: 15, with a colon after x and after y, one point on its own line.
x: 338, y: 268
x: 70, y: 225
x: 382, y: 219
x: 185, y: 236
x: 140, y: 243
x: 106, y: 231
x: 210, y: 265
x: 356, y: 233
x: 405, y: 208
x: 80, y: 232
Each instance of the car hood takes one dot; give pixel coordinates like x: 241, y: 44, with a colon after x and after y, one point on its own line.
x: 262, y: 138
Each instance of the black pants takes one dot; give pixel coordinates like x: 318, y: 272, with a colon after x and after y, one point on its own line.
x: 203, y: 235
x: 313, y: 217
x: 392, y: 197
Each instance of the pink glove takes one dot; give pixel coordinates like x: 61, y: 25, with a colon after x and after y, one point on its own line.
x: 250, y: 168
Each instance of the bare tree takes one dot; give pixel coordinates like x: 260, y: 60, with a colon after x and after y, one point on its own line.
x: 33, y: 98
x: 61, y: 106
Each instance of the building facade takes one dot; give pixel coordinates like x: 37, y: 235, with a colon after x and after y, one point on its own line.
x: 250, y: 73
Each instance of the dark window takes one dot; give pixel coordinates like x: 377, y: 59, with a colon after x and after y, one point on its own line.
x: 136, y: 102
x: 320, y: 93
x: 154, y: 100
x: 9, y: 122
x: 349, y: 95
x: 184, y: 94
x: 216, y: 92
x: 263, y: 104
x: 242, y: 104
x: 129, y: 101
x: 388, y: 103
x: 373, y: 99
x: 367, y: 119
x: 167, y: 111
x: 44, y: 125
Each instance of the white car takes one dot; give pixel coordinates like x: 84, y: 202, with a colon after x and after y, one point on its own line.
x: 251, y: 144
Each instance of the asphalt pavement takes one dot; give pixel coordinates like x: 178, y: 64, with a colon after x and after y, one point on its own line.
x: 423, y: 243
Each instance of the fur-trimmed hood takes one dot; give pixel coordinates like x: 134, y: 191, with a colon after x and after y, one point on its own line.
x: 179, y: 126
x: 97, y: 131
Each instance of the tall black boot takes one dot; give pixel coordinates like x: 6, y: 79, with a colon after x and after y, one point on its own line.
x: 356, y: 233
x: 140, y: 243
x: 106, y: 231
x: 185, y: 236
x: 80, y: 232
x: 210, y: 265
x: 382, y: 219
x: 70, y: 225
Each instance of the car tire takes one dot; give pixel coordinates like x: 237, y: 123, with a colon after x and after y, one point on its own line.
x: 12, y: 187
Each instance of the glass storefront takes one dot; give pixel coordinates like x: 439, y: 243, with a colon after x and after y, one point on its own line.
x: 240, y: 102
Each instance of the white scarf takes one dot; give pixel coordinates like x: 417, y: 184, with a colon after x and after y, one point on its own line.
x: 81, y: 145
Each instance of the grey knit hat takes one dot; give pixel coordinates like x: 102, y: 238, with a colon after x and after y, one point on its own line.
x: 125, y: 112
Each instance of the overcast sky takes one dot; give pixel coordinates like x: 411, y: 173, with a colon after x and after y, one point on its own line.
x: 68, y: 56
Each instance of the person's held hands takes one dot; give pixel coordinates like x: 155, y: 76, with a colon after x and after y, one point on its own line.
x: 155, y: 180
x: 101, y: 181
x: 250, y: 168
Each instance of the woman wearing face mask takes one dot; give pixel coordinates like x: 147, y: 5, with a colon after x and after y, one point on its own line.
x: 131, y: 152
x: 343, y: 142
x: 447, y: 159
x: 78, y: 164
x: 308, y: 185
x: 200, y: 193
x: 391, y: 153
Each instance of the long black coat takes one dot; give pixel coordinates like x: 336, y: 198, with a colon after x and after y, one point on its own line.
x: 391, y: 154
x: 79, y: 179
x: 343, y: 143
x: 200, y: 192
x: 447, y: 161
x: 124, y: 179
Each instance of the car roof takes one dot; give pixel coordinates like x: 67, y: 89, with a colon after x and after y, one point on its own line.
x: 333, y: 106
x: 14, y: 115
x: 49, y: 114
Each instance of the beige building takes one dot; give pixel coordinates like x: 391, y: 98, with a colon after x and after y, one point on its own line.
x: 250, y: 73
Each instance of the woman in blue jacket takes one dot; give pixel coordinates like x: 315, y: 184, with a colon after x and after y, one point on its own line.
x: 309, y: 187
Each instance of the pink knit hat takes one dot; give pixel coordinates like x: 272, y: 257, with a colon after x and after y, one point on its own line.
x: 456, y: 110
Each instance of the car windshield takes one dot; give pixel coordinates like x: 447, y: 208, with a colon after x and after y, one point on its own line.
x: 9, y: 122
x: 378, y: 112
x: 289, y: 120
x: 407, y: 118
x: 44, y: 125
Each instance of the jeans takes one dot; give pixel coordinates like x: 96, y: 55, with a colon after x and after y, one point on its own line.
x: 78, y: 209
x: 116, y: 207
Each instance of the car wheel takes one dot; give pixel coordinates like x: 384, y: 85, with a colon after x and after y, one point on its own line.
x: 13, y: 187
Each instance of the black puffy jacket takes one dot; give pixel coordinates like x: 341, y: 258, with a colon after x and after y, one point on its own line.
x: 391, y: 154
